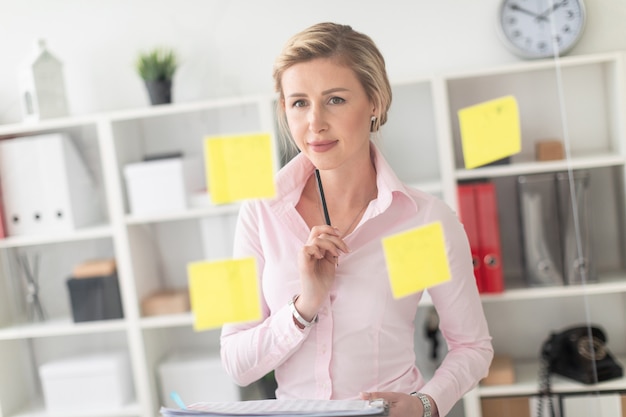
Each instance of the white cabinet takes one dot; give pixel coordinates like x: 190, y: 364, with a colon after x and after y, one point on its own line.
x: 579, y: 98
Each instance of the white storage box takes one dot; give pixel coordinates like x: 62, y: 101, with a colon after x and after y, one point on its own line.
x: 196, y: 376
x: 163, y: 185
x: 46, y: 186
x: 98, y: 382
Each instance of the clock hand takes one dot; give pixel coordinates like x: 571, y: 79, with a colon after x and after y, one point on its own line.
x: 551, y: 9
x: 521, y: 9
x: 517, y: 8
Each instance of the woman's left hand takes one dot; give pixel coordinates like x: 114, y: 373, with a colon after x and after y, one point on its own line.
x: 400, y: 404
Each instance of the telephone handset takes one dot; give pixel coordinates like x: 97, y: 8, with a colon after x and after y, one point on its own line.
x: 578, y: 353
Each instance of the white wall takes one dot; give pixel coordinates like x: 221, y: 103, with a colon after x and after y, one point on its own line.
x: 227, y: 46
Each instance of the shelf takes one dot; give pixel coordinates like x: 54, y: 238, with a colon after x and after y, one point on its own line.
x: 20, y: 129
x: 524, y: 168
x: 169, y: 320
x: 38, y: 410
x: 96, y: 232
x: 527, y: 378
x: 60, y: 327
x: 610, y: 284
x: 537, y: 65
x: 182, y: 108
x: 194, y: 213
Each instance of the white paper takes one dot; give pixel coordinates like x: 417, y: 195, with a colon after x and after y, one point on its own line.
x: 269, y: 408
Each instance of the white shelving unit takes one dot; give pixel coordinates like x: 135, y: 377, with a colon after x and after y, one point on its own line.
x: 151, y: 251
x: 580, y: 99
x: 421, y: 141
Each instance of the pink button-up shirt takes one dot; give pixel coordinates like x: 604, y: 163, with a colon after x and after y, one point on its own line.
x: 364, y: 338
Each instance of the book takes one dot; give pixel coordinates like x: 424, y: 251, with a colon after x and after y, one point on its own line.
x: 275, y: 408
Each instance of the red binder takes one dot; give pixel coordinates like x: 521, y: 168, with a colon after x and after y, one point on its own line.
x: 478, y: 211
x: 489, y: 231
x: 467, y: 215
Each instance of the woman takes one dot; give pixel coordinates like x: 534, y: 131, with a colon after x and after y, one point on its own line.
x: 331, y: 328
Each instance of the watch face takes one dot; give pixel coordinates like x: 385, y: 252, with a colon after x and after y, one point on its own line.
x: 541, y: 28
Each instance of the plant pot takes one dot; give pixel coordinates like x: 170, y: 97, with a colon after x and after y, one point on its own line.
x: 160, y: 91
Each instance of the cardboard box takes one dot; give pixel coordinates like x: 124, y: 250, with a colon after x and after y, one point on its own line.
x: 196, y: 376
x: 163, y: 185
x: 549, y: 150
x: 95, y: 268
x: 505, y: 407
x: 87, y: 383
x: 501, y: 371
x: 166, y: 302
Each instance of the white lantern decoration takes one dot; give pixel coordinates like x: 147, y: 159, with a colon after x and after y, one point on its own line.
x: 42, y: 87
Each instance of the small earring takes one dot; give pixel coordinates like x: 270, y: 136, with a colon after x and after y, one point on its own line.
x: 372, y: 123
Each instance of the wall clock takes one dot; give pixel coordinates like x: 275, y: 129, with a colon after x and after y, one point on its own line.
x: 534, y: 29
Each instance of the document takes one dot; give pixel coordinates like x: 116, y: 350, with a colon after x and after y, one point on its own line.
x: 275, y: 408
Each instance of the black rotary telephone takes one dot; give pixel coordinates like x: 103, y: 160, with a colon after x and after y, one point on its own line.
x: 577, y: 353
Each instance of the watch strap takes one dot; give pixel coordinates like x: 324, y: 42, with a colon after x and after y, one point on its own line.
x: 297, y: 316
x: 425, y: 402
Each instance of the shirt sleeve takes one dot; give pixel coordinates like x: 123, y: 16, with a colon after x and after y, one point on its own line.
x: 461, y: 320
x: 251, y: 350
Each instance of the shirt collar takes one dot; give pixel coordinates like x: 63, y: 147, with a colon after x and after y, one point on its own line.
x: 291, y: 179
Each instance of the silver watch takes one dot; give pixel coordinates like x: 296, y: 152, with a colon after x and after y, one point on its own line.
x: 425, y: 402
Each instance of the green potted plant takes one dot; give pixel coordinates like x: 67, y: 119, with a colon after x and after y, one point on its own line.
x: 157, y: 67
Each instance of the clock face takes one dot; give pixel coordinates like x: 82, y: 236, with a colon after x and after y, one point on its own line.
x: 541, y: 28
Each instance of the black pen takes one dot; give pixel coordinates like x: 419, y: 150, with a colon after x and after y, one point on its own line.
x: 319, y: 186
x: 326, y: 216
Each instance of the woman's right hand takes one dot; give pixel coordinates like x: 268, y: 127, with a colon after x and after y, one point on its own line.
x: 317, y: 261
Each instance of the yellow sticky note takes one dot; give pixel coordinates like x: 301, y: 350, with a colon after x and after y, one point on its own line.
x: 416, y: 259
x: 223, y: 291
x: 490, y: 131
x: 239, y: 167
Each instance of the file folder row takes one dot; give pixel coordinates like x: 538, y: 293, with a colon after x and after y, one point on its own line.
x: 554, y: 221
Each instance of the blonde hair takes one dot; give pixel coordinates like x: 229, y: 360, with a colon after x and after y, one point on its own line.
x: 348, y: 47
